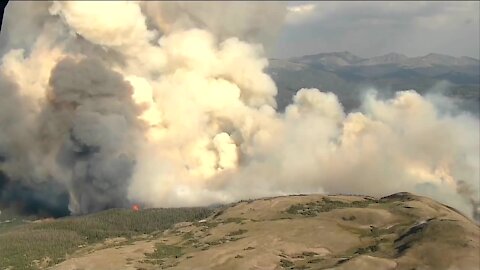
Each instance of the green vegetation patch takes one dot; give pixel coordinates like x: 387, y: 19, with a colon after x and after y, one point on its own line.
x: 163, y: 252
x: 234, y: 220
x: 237, y: 232
x: 286, y: 263
x: 10, y: 219
x: 20, y: 246
x: 19, y: 249
x: 309, y: 253
x: 325, y: 205
x: 124, y: 223
x: 369, y: 249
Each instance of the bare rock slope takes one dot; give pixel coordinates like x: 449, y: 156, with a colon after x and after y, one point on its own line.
x: 401, y: 231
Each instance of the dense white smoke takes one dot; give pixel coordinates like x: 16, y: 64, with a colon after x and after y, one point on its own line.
x: 168, y: 104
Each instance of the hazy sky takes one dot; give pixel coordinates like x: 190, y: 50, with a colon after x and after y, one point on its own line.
x: 375, y: 28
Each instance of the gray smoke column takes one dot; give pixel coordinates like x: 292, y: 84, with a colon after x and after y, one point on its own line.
x: 92, y: 113
x: 168, y: 104
x: 470, y: 195
x: 83, y: 137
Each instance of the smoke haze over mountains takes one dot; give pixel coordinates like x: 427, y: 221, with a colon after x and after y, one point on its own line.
x: 167, y: 104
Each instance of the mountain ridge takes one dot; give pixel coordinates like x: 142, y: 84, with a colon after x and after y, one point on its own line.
x: 348, y: 75
x: 345, y: 58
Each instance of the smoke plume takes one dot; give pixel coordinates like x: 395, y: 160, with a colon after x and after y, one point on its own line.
x: 168, y: 104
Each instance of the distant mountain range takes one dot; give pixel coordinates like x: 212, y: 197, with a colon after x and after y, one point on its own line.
x: 342, y: 59
x: 348, y: 75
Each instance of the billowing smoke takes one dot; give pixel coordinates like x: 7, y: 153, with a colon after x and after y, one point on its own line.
x: 168, y: 104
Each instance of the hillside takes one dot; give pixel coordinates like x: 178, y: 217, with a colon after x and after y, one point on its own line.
x: 401, y: 231
x: 53, y: 238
